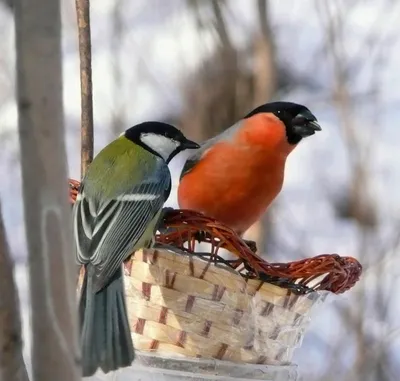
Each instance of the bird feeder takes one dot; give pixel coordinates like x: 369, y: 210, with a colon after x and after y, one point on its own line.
x: 197, y: 316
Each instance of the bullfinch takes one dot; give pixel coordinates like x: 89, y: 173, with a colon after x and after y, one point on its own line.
x: 236, y: 175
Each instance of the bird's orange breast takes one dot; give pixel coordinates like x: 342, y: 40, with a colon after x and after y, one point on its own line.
x: 235, y: 181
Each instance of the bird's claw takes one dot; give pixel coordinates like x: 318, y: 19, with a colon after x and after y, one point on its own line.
x: 251, y: 244
x: 201, y: 236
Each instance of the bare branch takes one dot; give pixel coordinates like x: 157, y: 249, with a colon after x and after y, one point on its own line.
x: 220, y: 24
x: 265, y: 69
x: 12, y: 366
x: 85, y: 56
x: 44, y: 178
x: 117, y: 35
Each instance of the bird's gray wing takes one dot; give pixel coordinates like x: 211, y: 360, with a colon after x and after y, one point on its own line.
x: 109, y: 231
x: 193, y: 159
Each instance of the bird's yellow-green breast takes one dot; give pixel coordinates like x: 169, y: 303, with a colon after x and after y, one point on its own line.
x: 117, y: 168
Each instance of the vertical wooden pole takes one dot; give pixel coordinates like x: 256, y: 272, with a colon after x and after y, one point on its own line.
x: 85, y: 55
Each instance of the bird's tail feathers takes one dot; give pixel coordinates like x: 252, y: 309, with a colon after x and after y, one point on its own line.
x: 105, y: 334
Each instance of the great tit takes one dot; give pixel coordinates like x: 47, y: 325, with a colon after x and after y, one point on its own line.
x: 245, y: 164
x: 116, y: 213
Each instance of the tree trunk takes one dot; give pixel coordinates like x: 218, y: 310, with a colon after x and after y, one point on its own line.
x: 45, y: 192
x: 12, y: 366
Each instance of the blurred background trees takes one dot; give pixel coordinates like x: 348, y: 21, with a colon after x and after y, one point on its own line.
x: 204, y: 64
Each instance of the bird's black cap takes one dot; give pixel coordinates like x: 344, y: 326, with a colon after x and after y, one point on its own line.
x: 278, y: 108
x: 159, y: 128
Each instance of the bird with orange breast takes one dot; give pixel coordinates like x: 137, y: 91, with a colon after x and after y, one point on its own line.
x: 235, y: 176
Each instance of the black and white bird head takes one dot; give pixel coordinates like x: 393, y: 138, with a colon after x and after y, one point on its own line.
x: 161, y: 139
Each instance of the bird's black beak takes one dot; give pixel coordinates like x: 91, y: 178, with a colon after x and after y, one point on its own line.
x: 189, y: 144
x: 305, y: 125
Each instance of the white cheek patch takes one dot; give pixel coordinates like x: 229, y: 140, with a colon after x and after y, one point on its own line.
x: 161, y: 144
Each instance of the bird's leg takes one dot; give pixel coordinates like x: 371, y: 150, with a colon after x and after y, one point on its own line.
x: 251, y: 244
x: 201, y: 236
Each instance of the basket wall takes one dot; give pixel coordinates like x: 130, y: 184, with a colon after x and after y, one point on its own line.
x: 183, y: 305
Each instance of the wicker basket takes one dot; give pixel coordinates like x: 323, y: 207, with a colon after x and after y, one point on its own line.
x: 181, y: 305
